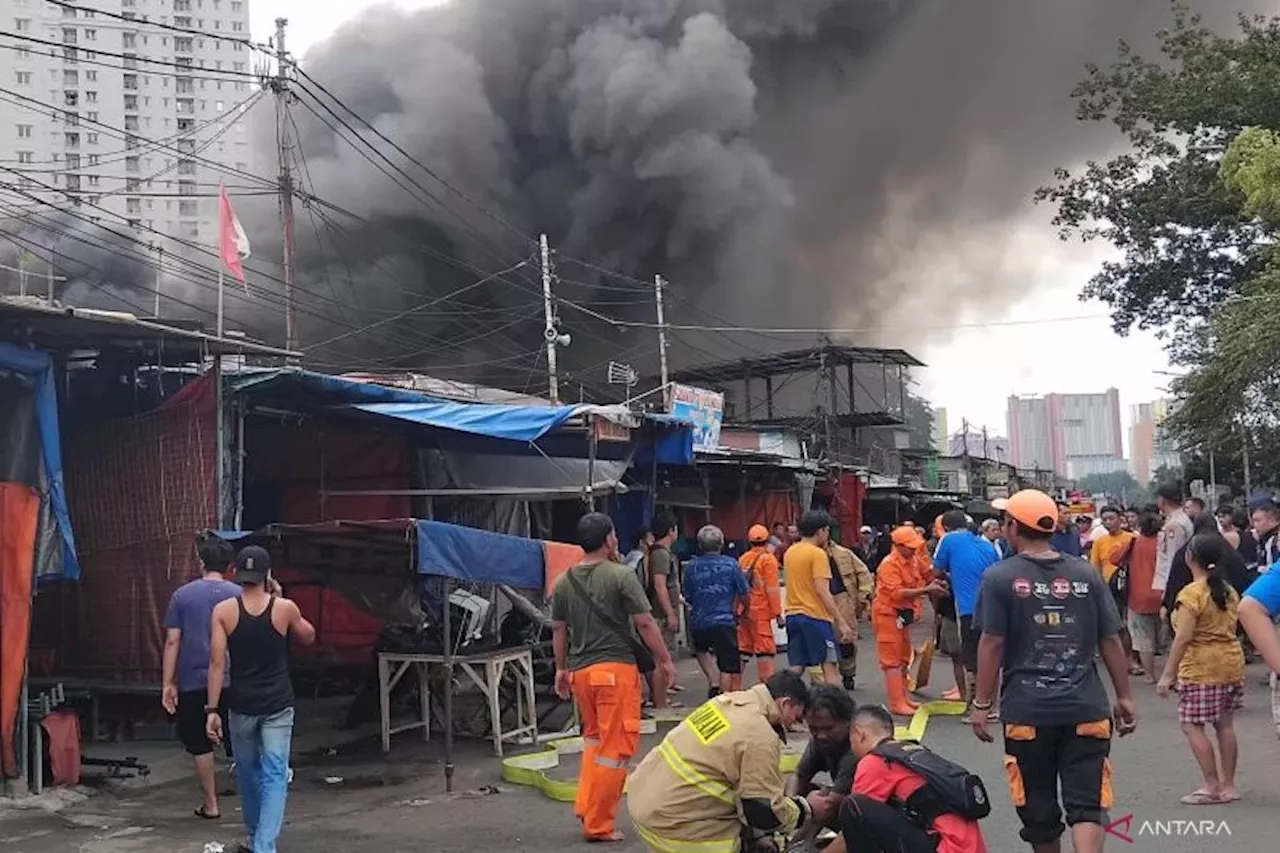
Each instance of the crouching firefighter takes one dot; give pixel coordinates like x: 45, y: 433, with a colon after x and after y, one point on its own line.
x: 715, y: 778
x: 907, y: 799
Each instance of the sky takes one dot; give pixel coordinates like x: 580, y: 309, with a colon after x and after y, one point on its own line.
x: 1021, y: 346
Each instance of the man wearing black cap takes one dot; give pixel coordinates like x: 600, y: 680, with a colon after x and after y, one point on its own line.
x: 255, y: 629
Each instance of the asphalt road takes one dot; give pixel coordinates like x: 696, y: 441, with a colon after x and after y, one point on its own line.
x: 399, y: 804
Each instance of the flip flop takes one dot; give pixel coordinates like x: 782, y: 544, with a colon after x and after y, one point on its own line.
x: 1134, y: 669
x: 953, y: 695
x: 1202, y: 798
x: 204, y: 815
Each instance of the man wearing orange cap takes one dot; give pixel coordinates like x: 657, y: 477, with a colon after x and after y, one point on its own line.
x: 1044, y: 617
x: 902, y: 584
x: 763, y: 604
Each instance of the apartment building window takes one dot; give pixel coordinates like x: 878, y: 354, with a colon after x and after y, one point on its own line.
x: 237, y: 5
x: 131, y: 81
x: 90, y: 35
x: 73, y: 119
x: 183, y: 21
x: 134, y: 223
x: 23, y: 53
x: 130, y: 39
x: 238, y: 66
x: 68, y: 12
x: 186, y: 125
x: 89, y: 13
x: 182, y: 5
x: 182, y: 61
x: 71, y: 98
x: 73, y: 162
x: 22, y: 25
x: 72, y: 140
x: 24, y: 78
x: 91, y: 116
x: 24, y: 131
x: 219, y: 105
x: 131, y: 103
x: 93, y: 160
x: 186, y: 146
x: 128, y: 4
x: 70, y: 56
x: 26, y: 157
x: 186, y: 187
x: 130, y: 142
x: 91, y: 76
x: 185, y: 106
x: 186, y: 167
x: 71, y: 78
x: 91, y: 138
x: 93, y: 179
x: 68, y: 35
x: 191, y: 230
x: 130, y: 122
x: 182, y: 44
x: 91, y: 97
x: 132, y: 185
x: 183, y: 85
x: 133, y: 206
x: 237, y: 26
x: 130, y: 62
x: 131, y: 165
x: 188, y: 208
x: 73, y: 182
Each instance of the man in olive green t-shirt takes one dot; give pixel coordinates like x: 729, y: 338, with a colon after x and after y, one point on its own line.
x: 596, y: 664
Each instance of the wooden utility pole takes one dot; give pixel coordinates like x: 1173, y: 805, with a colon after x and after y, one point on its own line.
x: 280, y: 86
x: 662, y: 343
x: 551, y: 333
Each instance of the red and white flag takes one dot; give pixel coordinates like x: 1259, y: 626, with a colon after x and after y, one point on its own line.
x: 233, y: 244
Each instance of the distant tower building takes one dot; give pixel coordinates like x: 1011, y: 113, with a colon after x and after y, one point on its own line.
x: 1151, y: 447
x: 1074, y: 435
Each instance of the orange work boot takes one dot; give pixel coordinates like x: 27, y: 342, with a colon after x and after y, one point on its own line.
x: 896, y: 686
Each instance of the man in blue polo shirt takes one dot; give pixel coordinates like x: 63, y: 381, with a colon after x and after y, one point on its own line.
x: 1258, y: 614
x: 962, y: 557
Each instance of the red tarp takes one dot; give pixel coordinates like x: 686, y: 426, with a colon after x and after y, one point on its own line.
x: 19, y: 516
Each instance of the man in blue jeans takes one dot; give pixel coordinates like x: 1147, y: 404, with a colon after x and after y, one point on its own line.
x: 254, y: 629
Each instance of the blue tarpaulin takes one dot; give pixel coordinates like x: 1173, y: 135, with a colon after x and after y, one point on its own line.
x: 37, y: 366
x: 478, y: 555
x: 515, y: 423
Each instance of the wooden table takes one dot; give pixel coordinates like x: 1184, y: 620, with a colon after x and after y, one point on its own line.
x: 485, y: 669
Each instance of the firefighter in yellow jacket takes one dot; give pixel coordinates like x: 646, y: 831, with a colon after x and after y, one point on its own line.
x: 718, y: 771
x: 852, y: 602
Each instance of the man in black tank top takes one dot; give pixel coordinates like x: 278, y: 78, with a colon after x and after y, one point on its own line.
x: 254, y: 630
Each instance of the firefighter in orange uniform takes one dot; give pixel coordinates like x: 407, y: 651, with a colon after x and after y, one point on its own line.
x: 763, y: 606
x: 903, y: 581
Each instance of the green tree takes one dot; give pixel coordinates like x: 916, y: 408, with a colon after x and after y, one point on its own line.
x: 1194, y: 207
x: 1120, y: 485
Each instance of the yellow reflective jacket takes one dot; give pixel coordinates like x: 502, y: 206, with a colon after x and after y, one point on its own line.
x: 716, y: 769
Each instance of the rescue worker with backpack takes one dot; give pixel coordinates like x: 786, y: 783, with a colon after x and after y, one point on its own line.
x: 763, y: 608
x: 715, y: 781
x: 906, y: 798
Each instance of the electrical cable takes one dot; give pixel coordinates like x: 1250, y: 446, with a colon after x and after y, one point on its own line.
x: 247, y: 75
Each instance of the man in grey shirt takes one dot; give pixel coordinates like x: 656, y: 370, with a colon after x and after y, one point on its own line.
x: 1174, y: 535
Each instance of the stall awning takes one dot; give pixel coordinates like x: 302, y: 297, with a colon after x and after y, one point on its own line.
x: 479, y: 555
x: 514, y: 423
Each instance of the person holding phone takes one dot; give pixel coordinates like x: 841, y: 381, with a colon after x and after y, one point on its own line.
x: 254, y: 630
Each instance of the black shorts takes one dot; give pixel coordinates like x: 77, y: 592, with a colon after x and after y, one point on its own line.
x: 722, y: 640
x: 191, y: 724
x: 1037, y: 758
x: 969, y: 637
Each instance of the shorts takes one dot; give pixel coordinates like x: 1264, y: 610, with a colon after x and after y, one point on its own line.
x: 191, y: 720
x: 1144, y: 629
x: 1037, y: 758
x: 722, y: 640
x: 949, y: 637
x: 1199, y: 704
x: 811, y: 642
x: 755, y: 638
x: 969, y: 637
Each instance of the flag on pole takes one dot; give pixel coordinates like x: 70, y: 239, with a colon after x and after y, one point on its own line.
x: 234, y: 244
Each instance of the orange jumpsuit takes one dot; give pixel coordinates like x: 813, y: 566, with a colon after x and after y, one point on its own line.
x: 764, y: 603
x: 895, y: 574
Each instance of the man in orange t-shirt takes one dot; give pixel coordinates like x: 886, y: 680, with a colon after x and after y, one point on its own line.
x: 764, y: 604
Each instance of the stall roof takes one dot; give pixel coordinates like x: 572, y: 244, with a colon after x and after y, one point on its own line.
x: 59, y: 328
x: 793, y: 361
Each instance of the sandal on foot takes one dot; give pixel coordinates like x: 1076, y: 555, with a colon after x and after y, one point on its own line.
x: 612, y: 838
x: 203, y: 814
x: 1202, y: 798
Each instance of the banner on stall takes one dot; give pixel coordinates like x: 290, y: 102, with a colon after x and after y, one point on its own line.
x: 702, y: 408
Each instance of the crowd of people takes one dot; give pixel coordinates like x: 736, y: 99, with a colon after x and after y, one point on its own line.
x: 1040, y: 604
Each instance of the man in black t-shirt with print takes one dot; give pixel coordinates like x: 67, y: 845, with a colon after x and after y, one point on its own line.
x: 1044, y: 617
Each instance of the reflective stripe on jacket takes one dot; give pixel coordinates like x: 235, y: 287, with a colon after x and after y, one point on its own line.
x: 687, y: 795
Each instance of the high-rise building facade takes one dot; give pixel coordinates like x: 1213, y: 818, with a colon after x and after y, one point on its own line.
x: 122, y: 122
x: 1074, y: 435
x: 1151, y: 448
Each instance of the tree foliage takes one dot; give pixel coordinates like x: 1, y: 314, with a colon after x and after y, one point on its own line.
x: 1120, y: 485
x: 1194, y: 208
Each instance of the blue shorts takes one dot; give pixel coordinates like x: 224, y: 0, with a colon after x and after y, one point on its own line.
x: 811, y: 642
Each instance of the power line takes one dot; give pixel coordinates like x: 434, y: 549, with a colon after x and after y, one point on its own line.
x: 77, y: 49
x: 145, y: 22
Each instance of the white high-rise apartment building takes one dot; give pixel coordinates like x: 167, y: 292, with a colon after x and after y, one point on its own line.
x: 89, y: 124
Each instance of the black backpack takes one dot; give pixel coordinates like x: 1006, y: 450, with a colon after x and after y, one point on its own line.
x: 948, y: 788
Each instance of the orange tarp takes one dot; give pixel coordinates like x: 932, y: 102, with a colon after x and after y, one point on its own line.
x: 558, y: 558
x: 19, y: 515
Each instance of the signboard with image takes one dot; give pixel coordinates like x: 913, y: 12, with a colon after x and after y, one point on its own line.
x: 702, y: 408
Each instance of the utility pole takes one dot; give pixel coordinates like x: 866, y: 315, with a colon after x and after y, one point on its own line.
x: 281, y: 87
x: 159, y: 275
x: 662, y: 343
x: 550, y: 333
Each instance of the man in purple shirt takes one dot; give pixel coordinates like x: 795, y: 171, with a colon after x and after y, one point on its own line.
x: 187, y: 625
